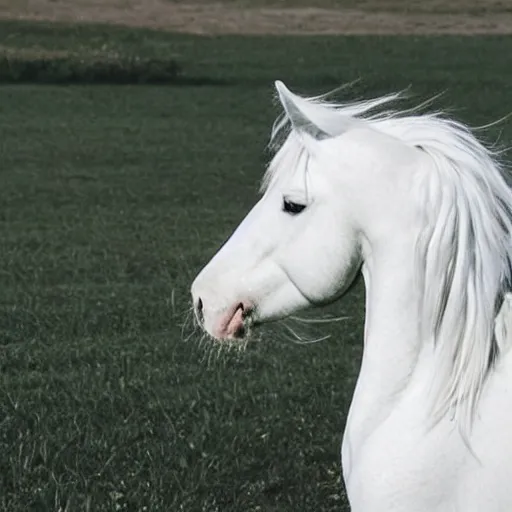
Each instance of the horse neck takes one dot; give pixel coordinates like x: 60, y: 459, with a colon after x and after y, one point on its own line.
x: 391, y: 342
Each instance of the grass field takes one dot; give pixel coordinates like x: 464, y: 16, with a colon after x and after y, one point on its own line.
x: 112, y: 197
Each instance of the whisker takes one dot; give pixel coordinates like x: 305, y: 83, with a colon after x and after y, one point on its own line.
x: 319, y: 320
x: 188, y: 322
x: 300, y: 340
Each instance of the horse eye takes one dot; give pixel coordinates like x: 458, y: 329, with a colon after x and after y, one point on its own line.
x: 292, y: 208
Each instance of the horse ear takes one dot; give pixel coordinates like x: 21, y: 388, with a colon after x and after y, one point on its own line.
x: 296, y: 109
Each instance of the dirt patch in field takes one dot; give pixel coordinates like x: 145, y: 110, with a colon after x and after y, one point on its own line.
x: 278, y: 17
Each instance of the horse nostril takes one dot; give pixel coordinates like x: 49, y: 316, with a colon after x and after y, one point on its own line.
x: 199, y: 311
x: 246, y: 310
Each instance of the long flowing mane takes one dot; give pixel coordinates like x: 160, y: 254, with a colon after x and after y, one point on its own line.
x: 464, y: 252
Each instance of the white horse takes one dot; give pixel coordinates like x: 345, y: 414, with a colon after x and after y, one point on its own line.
x: 423, y: 210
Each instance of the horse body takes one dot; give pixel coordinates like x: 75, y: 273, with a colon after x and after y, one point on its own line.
x: 394, y: 461
x: 422, y: 209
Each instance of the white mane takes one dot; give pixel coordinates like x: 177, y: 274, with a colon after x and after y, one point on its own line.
x: 464, y: 252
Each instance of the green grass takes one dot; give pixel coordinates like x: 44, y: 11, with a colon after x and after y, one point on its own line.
x: 112, y: 198
x: 429, y: 64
